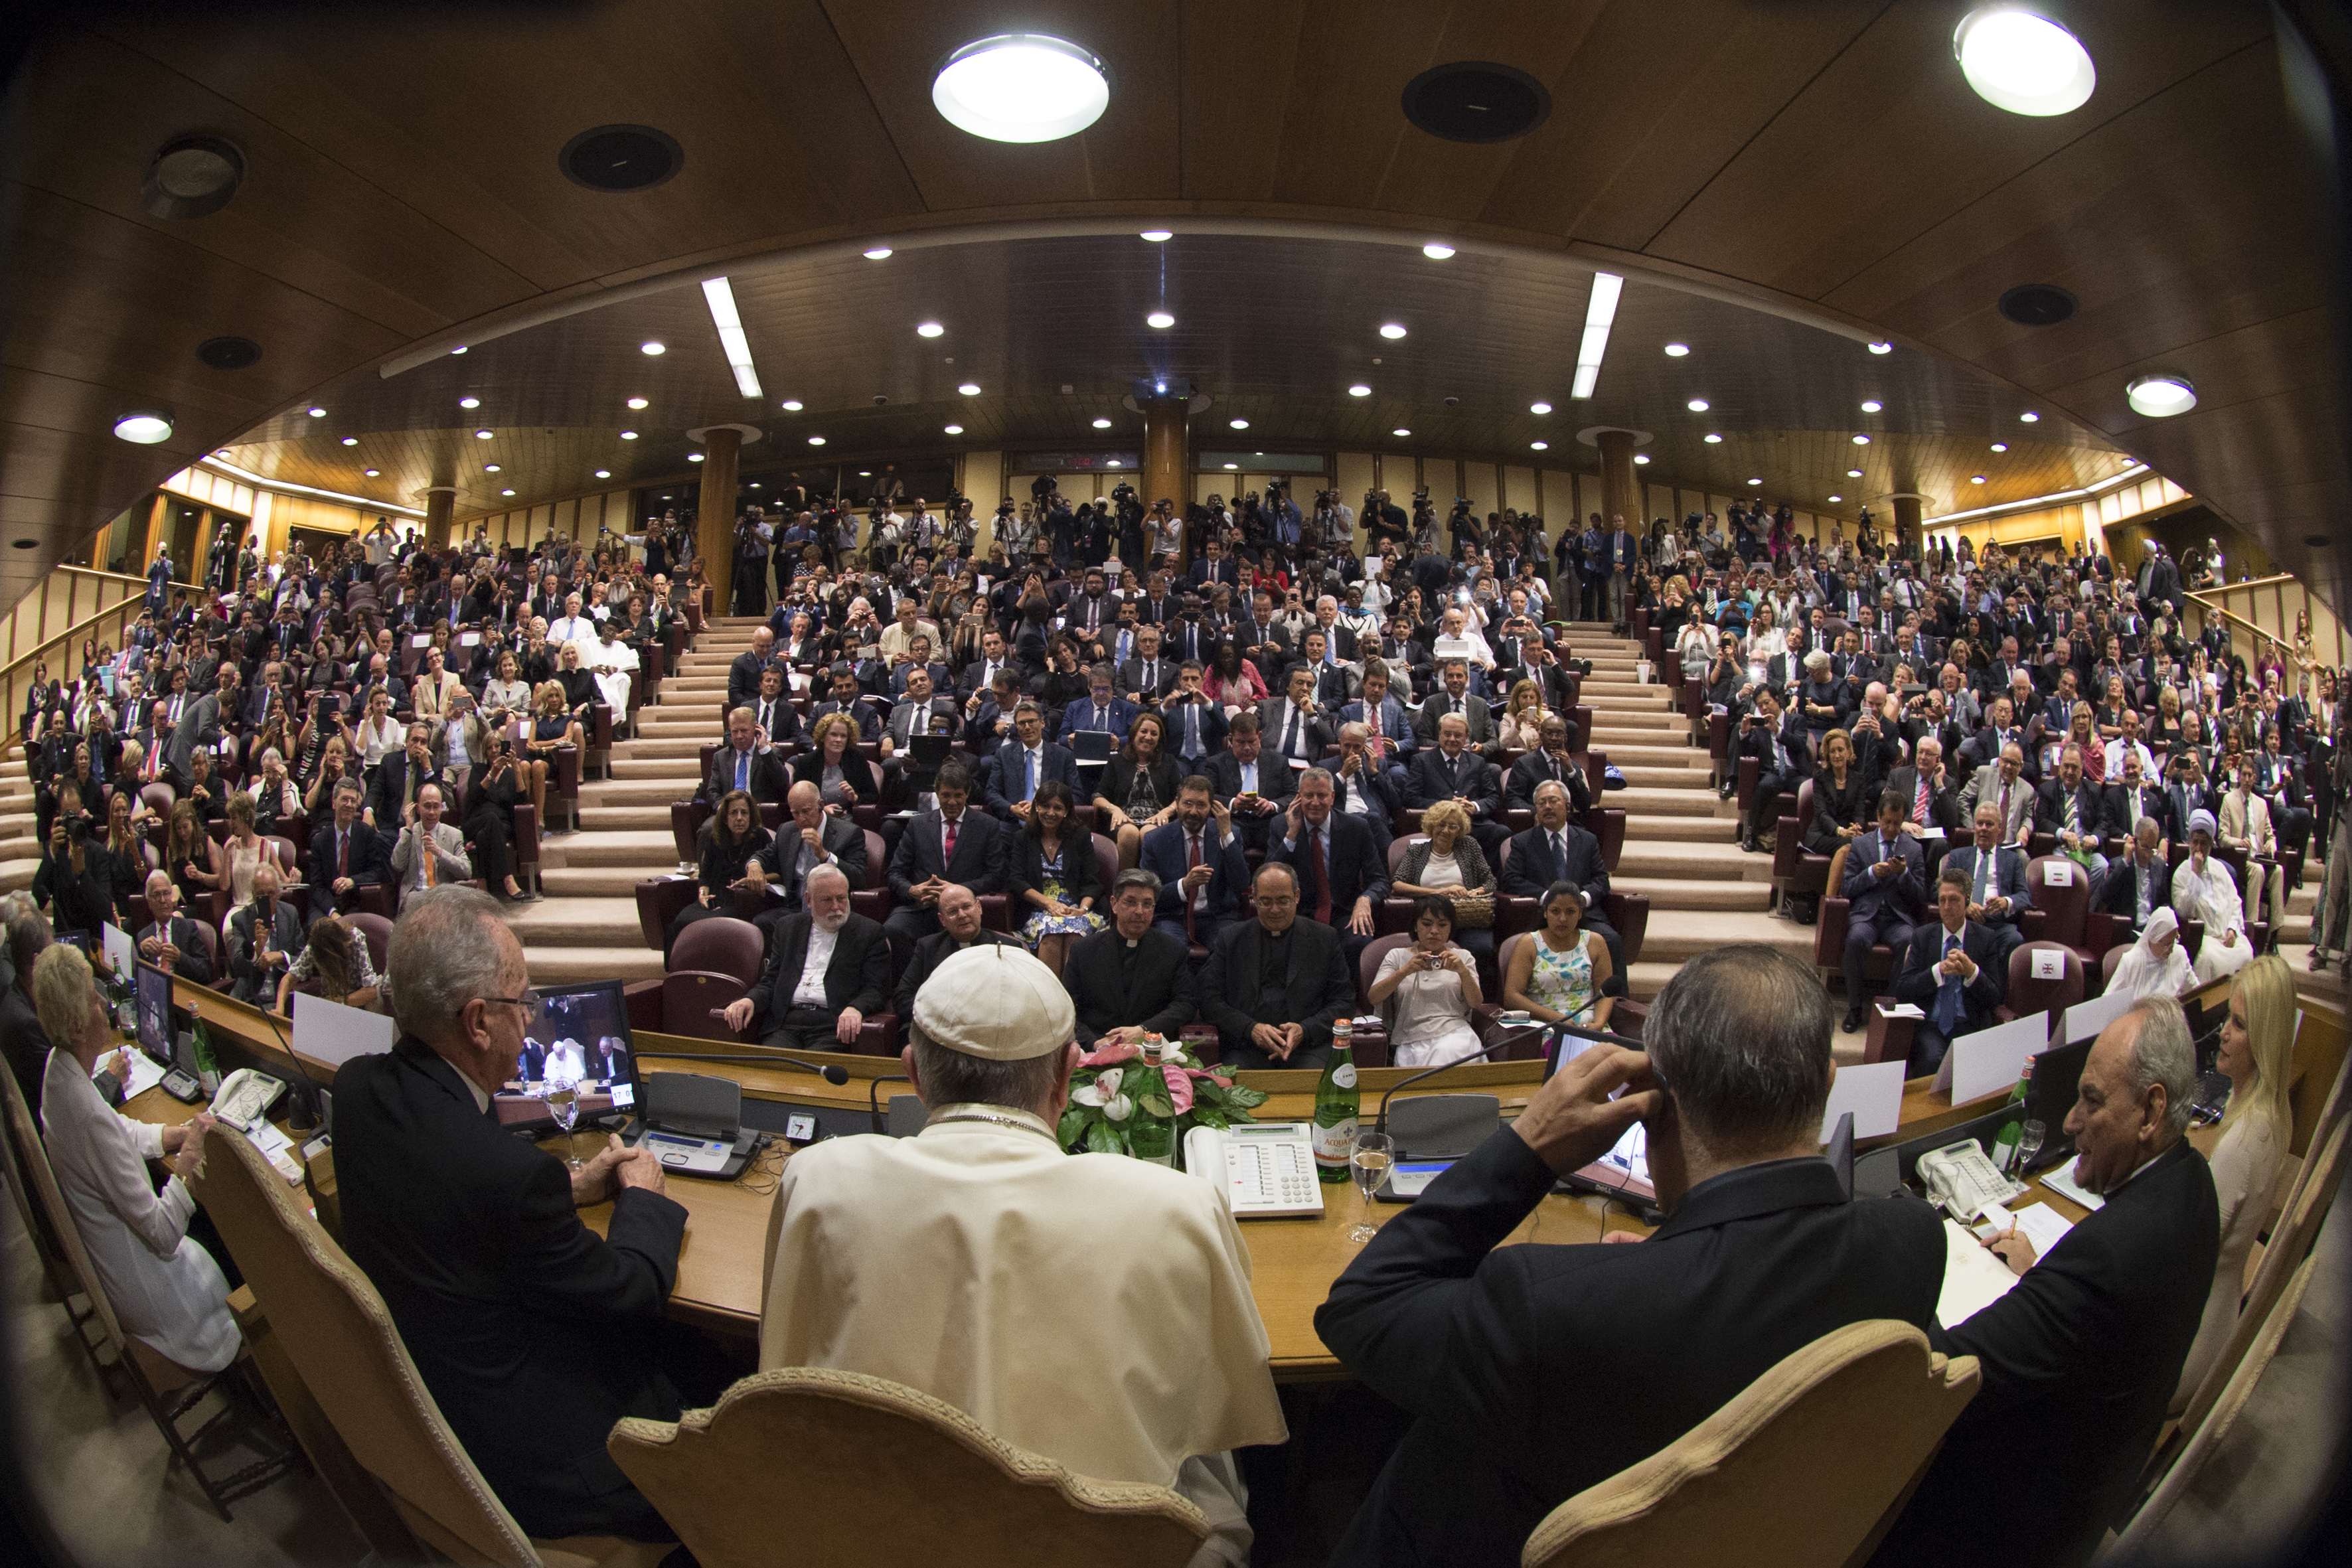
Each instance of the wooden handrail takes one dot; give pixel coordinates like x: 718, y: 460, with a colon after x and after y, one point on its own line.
x: 78, y: 627
x: 2197, y: 597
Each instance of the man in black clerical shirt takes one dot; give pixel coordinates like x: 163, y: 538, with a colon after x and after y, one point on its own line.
x: 1133, y: 980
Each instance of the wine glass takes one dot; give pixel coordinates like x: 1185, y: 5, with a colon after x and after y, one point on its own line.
x: 2029, y: 1145
x: 1373, y: 1156
x: 562, y: 1096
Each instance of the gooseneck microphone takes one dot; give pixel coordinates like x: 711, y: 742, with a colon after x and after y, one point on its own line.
x: 874, y: 1097
x: 1382, y: 1122
x: 831, y: 1072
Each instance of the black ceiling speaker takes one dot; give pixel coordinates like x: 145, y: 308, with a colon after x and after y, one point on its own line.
x: 2037, y: 304
x: 228, y: 353
x: 1476, y: 101
x: 621, y: 158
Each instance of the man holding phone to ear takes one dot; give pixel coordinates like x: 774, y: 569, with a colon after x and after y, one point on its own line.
x: 1493, y: 1348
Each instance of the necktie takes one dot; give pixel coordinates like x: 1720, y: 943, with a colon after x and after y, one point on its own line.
x: 1919, y: 806
x: 1319, y: 882
x: 342, y: 852
x: 424, y: 852
x: 1948, y: 995
x: 1559, y: 857
x: 948, y: 831
x: 742, y: 769
x: 2004, y: 808
x: 1984, y: 874
x: 1030, y: 791
x: 1191, y: 862
x: 1290, y: 739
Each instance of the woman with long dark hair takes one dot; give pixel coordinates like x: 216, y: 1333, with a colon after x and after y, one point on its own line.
x: 1052, y: 871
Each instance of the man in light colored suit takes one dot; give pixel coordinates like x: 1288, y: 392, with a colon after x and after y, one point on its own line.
x: 430, y: 853
x: 2003, y: 784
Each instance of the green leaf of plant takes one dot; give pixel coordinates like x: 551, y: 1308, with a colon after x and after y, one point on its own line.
x: 1102, y: 1140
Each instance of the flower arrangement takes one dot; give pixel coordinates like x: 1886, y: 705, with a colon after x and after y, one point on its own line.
x: 1139, y: 1099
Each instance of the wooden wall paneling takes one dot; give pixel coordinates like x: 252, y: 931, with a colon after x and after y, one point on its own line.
x: 1478, y: 484
x: 1559, y: 499
x: 1519, y: 491
x: 983, y: 482
x: 1356, y: 472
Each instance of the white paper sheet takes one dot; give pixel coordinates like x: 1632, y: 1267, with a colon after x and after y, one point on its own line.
x: 2043, y: 1226
x: 1873, y: 1091
x: 2048, y: 964
x: 2083, y: 1020
x: 121, y: 953
x: 330, y: 1032
x: 1973, y: 1277
x: 144, y: 1074
x: 2060, y: 1179
x: 1901, y: 1010
x: 1990, y: 1060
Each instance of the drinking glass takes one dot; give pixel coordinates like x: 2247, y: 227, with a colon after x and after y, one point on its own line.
x: 2029, y: 1145
x: 562, y: 1096
x: 1374, y: 1156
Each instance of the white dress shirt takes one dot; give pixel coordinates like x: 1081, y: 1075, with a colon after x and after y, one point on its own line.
x: 810, y: 990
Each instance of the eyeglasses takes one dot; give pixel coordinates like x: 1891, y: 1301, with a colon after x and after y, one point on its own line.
x: 528, y: 1001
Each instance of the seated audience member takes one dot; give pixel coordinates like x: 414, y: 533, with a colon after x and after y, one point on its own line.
x: 169, y: 1292
x: 2257, y: 1056
x: 949, y: 843
x: 1024, y: 763
x: 2156, y: 964
x: 1550, y: 763
x: 744, y: 763
x: 726, y: 847
x: 429, y: 851
x: 1557, y: 851
x: 1424, y: 990
x: 1198, y: 865
x: 2139, y: 881
x: 1362, y: 788
x: 1273, y: 985
x: 1452, y: 770
x: 1254, y: 786
x: 489, y: 819
x: 1342, y: 879
x: 264, y: 937
x: 21, y: 1035
x: 1137, y: 792
x: 2244, y: 823
x: 2204, y: 890
x: 2080, y: 1357
x: 171, y: 941
x: 1999, y: 895
x: 1006, y: 1290
x: 1052, y: 876
x: 1755, y: 1260
x: 1884, y: 886
x: 1948, y: 972
x: 534, y: 1333
x: 959, y: 928
x: 811, y: 837
x: 1784, y: 759
x: 348, y: 854
x: 334, y: 965
x: 1135, y: 979
x: 1444, y: 862
x: 827, y: 968
x: 1560, y: 972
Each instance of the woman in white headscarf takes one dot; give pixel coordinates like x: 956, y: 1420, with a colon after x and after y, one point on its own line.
x: 2156, y: 965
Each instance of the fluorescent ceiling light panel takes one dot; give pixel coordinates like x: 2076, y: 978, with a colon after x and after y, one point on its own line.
x: 720, y: 294
x: 1600, y: 312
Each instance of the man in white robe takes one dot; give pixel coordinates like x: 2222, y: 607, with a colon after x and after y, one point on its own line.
x: 613, y: 663
x: 1090, y: 1308
x: 2204, y: 890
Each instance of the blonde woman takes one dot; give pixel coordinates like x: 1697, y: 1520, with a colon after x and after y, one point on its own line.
x: 1446, y: 863
x: 2257, y: 1042
x: 1521, y: 728
x: 553, y: 728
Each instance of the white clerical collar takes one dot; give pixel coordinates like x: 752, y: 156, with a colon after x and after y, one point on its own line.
x: 1006, y: 1116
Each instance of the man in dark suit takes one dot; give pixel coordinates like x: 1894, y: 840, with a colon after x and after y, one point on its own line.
x: 1135, y: 979
x: 1342, y: 877
x: 959, y: 929
x: 1929, y: 792
x: 2140, y: 880
x: 921, y: 712
x: 808, y: 838
x: 744, y: 763
x: 1196, y: 726
x: 1949, y: 973
x: 1273, y: 985
x: 1998, y: 893
x: 1557, y: 851
x: 1550, y: 763
x: 826, y: 970
x: 946, y: 843
x: 1014, y: 769
x: 773, y: 718
x: 1885, y: 890
x: 1452, y: 770
x: 1453, y: 696
x: 1198, y: 863
x: 2074, y: 809
x: 532, y: 1334
x: 1362, y: 788
x: 171, y: 941
x: 1250, y: 782
x: 743, y: 674
x: 1295, y: 724
x: 347, y: 855
x: 1783, y: 761
x: 399, y: 778
x: 265, y: 938
x: 2080, y: 1358
x: 1150, y: 675
x: 1753, y: 1262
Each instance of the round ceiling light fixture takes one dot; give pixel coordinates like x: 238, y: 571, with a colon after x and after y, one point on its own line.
x: 316, y: 413
x: 1162, y: 320
x: 969, y: 388
x: 1696, y: 406
x: 1230, y: 423
x: 1862, y: 440
x: 953, y: 429
x: 2037, y: 304
x: 1391, y: 329
x: 1880, y: 346
x: 469, y: 403
x: 2029, y: 417
x: 1476, y: 102
x: 1677, y: 350
x: 1538, y: 445
x: 506, y: 492
x: 1872, y: 405
x: 351, y: 440
x: 603, y: 473
x: 929, y: 329
x: 628, y: 435
x: 1756, y: 481
x: 621, y: 158
x: 1102, y: 423
x: 2018, y: 59
x: 374, y: 473
x: 1359, y: 390
x: 1437, y: 250
x: 877, y: 253
x: 1400, y: 430
x: 1714, y: 438
x: 2160, y: 395
x: 1837, y: 498
x: 791, y: 406
x: 637, y: 403
x: 145, y: 426
x: 191, y: 176
x: 1539, y: 407
x: 228, y: 353
x: 1976, y: 478
x: 1158, y: 235
x: 1853, y: 473
x: 1642, y: 458
x: 817, y: 440
x: 458, y: 350
x: 652, y: 348
x: 484, y: 434
x: 2000, y: 445
x: 1021, y: 86
x: 694, y: 457
x: 1232, y: 468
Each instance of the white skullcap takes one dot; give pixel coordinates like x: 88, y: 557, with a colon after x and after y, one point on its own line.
x: 2201, y: 818
x: 995, y: 1000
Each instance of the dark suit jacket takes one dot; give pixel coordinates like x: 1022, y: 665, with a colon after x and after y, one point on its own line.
x: 370, y: 858
x: 1943, y: 806
x: 529, y: 1330
x: 2117, y: 895
x: 1163, y: 854
x: 1278, y: 781
x: 2078, y: 1360
x: 1916, y: 981
x: 2008, y: 877
x: 285, y: 935
x: 391, y: 789
x: 743, y: 678
x: 1873, y: 897
x: 195, y: 962
x: 1478, y: 1340
x: 769, y: 778
x: 2153, y: 802
x: 1005, y: 774
x: 1528, y: 867
x: 1536, y: 768
x: 1116, y: 780
x: 843, y: 838
x: 980, y: 843
x: 929, y: 955
x: 1426, y: 782
x: 1153, y: 989
x: 26, y: 1043
x: 1359, y: 867
x: 1319, y: 989
x: 858, y: 977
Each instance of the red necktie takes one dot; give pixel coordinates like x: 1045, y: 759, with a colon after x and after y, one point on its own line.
x: 1320, y: 883
x: 343, y: 853
x: 947, y: 845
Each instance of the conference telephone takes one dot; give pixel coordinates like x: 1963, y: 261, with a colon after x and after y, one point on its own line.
x: 244, y: 1097
x: 1264, y: 1169
x: 1961, y: 1177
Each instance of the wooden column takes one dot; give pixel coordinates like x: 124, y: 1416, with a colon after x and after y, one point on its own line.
x: 440, y: 506
x: 1621, y: 492
x: 1907, y: 521
x: 1163, y: 454
x: 714, y: 528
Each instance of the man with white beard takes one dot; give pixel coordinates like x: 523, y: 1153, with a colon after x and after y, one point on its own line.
x: 827, y: 969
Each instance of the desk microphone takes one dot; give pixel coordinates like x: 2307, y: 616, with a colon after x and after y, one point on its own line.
x: 874, y: 1097
x: 1382, y: 1122
x: 829, y: 1071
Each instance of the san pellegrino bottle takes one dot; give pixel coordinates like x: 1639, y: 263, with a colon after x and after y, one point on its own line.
x: 207, y: 1070
x: 2004, y: 1144
x: 1336, y: 1107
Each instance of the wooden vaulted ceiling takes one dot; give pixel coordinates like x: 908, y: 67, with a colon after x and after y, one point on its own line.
x: 1777, y: 180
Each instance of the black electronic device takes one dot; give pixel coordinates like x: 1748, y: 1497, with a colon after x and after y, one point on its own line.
x: 2057, y: 1080
x: 1839, y: 1151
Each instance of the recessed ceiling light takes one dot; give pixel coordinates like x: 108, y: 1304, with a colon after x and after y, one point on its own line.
x: 628, y: 435
x: 458, y: 350
x: 1714, y: 438
x: 1393, y: 330
x: 755, y: 484
x: 1230, y: 423
x: 1359, y: 390
x: 1756, y: 481
x: 929, y: 329
x: 1021, y: 86
x: 652, y: 347
x: 1881, y: 347
x: 1872, y: 405
x: 1862, y: 440
x: 1641, y: 457
x: 220, y: 451
x: 1853, y: 473
x: 1158, y: 235
x: 2020, y: 60
x: 791, y: 406
x: 603, y: 473
x: 1400, y: 430
x: 1102, y: 423
x: 2161, y: 396
x: 489, y: 468
x: 1231, y: 466
x: 2000, y: 445
x: 969, y: 388
x: 1112, y: 464
x: 1538, y: 445
x: 371, y: 473
x: 1696, y: 406
x: 1976, y: 478
x: 877, y: 253
x: 469, y: 403
x: 317, y: 414
x: 351, y: 440
x: 953, y: 429
x: 694, y: 457
x: 637, y: 403
x: 1437, y: 250
x: 817, y: 440
x: 1539, y: 407
x: 484, y: 434
x: 1837, y: 498
x: 506, y: 492
x: 2029, y: 417
x: 1676, y: 350
x: 1159, y: 318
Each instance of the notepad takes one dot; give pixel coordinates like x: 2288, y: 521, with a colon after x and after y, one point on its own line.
x: 144, y: 1074
x: 2043, y: 1226
x: 2060, y: 1179
x: 1973, y: 1277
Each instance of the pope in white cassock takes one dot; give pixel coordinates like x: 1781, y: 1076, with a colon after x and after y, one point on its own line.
x: 1090, y: 1308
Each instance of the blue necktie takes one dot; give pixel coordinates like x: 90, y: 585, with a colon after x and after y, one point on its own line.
x: 1947, y: 995
x: 1031, y: 792
x: 742, y: 769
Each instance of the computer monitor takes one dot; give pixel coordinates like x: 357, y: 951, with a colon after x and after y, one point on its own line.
x: 2057, y: 1078
x: 586, y: 1029
x: 153, y: 1004
x: 76, y: 939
